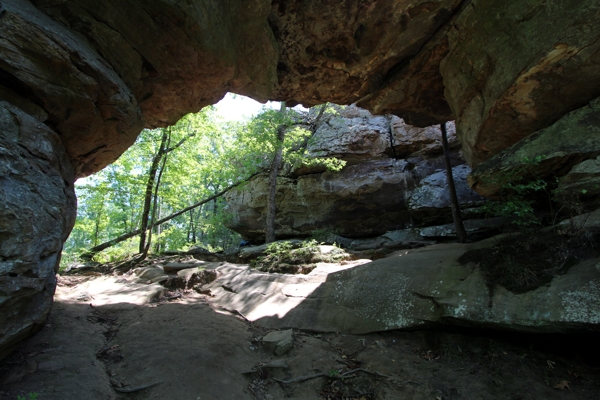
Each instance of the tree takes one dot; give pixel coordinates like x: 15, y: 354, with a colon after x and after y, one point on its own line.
x: 275, y: 165
x: 183, y: 181
x: 461, y: 234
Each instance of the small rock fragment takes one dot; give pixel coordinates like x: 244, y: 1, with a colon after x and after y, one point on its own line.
x: 278, y: 342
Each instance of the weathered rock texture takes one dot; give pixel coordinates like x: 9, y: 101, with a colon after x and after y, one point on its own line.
x: 548, y: 153
x: 37, y: 213
x: 374, y: 194
x: 407, y: 290
x: 515, y: 67
x: 341, y: 53
x: 95, y: 72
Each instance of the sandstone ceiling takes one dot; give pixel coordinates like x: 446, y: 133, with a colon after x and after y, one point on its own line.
x: 98, y: 72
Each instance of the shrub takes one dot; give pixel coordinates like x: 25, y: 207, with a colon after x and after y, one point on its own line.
x: 282, y: 257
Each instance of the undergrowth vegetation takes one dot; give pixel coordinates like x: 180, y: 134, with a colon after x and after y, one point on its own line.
x: 287, y: 257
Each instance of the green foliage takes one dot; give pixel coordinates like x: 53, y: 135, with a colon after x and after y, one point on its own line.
x: 110, y: 202
x: 323, y: 235
x: 214, y: 154
x: 515, y: 201
x: 296, y: 258
x: 30, y: 396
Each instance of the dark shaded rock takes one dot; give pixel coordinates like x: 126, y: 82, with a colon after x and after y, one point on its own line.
x: 580, y: 187
x: 432, y: 192
x: 414, y: 90
x: 475, y: 228
x: 82, y: 97
x: 37, y: 213
x: 192, y: 277
x: 278, y: 342
x: 548, y: 153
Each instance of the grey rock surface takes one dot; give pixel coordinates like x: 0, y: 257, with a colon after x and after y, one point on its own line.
x: 411, y: 289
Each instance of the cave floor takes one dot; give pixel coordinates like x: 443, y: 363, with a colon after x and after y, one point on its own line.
x: 180, y: 348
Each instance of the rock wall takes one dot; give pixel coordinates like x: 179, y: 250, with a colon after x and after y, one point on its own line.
x: 38, y: 211
x: 375, y: 193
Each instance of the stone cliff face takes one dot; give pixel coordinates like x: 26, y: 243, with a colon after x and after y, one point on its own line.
x: 394, y: 179
x: 92, y: 74
x: 38, y: 212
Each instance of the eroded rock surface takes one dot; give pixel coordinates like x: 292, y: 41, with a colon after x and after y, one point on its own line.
x: 516, y: 67
x: 548, y: 153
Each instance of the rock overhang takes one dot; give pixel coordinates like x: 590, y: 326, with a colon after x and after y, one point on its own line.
x: 117, y: 66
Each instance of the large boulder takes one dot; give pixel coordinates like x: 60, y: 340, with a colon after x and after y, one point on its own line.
x: 353, y: 134
x: 407, y: 290
x: 37, y: 213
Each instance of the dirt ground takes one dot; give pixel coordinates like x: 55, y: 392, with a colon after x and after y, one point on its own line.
x: 180, y: 348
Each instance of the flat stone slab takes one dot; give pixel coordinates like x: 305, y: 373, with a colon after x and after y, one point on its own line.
x: 171, y: 268
x: 111, y: 290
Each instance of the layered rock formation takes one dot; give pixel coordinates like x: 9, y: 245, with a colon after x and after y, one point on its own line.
x: 95, y: 73
x: 394, y: 180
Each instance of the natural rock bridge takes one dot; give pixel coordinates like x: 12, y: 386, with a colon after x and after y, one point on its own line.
x: 79, y: 79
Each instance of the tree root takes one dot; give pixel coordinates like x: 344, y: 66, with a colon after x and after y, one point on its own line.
x: 345, y: 375
x: 135, y: 389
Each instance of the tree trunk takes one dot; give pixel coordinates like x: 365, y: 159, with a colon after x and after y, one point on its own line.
x: 149, y: 189
x: 271, y: 205
x: 461, y: 234
x: 155, y: 201
x: 191, y: 236
x: 163, y: 150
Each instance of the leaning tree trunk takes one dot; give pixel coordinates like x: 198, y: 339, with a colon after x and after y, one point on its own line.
x: 458, y: 224
x: 271, y: 206
x: 90, y: 253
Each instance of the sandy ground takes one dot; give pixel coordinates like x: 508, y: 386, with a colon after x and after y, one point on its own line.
x: 105, y: 335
